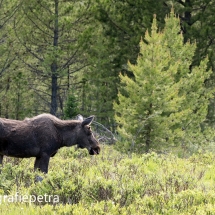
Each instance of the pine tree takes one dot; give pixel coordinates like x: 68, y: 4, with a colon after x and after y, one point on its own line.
x: 166, y: 101
x: 52, y: 42
x: 118, y: 28
x: 71, y: 107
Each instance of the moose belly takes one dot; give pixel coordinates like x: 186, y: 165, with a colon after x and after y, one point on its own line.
x: 19, y: 150
x: 25, y: 153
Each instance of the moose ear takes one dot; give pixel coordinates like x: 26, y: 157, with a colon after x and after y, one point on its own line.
x: 87, y: 121
x: 79, y: 117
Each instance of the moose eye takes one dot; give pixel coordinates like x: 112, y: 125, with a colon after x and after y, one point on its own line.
x: 89, y: 131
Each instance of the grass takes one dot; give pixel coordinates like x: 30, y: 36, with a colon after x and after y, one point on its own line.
x: 112, y: 183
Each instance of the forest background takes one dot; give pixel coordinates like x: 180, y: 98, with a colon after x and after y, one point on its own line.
x: 65, y: 57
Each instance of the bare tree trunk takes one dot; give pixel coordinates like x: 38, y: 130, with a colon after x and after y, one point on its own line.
x: 187, y: 18
x: 54, y: 66
x: 53, y: 109
x: 187, y: 14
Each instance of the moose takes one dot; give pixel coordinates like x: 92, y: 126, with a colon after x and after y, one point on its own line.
x: 42, y: 136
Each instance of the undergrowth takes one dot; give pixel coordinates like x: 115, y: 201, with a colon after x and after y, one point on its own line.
x: 112, y: 183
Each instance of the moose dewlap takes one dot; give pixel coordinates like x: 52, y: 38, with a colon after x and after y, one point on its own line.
x: 41, y: 137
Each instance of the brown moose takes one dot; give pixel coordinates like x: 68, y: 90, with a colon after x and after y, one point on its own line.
x: 42, y: 136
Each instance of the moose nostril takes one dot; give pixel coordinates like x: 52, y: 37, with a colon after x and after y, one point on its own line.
x: 94, y: 151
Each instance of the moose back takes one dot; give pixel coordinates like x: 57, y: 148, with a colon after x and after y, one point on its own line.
x: 42, y: 136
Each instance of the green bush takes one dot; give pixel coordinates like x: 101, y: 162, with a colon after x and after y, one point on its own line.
x: 112, y: 183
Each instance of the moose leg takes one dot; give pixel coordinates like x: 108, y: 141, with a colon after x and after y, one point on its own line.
x: 36, y: 164
x: 1, y: 162
x: 1, y: 159
x: 43, y: 163
x: 36, y: 167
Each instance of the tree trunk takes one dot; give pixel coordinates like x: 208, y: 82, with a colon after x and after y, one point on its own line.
x: 148, y: 130
x: 54, y: 66
x: 148, y: 138
x: 187, y: 18
x: 53, y: 109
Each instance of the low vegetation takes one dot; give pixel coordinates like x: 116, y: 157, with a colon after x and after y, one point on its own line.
x: 111, y: 183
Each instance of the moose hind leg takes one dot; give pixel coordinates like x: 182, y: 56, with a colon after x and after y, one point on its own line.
x: 1, y: 159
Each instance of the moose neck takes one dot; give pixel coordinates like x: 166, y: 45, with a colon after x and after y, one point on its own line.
x: 68, y: 131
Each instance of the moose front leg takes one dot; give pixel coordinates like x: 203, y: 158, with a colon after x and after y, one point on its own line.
x: 44, y: 163
x: 37, y: 164
x: 41, y: 163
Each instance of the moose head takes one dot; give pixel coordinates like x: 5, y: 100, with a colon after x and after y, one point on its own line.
x: 86, y: 138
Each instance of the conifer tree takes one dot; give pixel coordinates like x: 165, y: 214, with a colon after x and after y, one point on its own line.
x: 71, y: 107
x: 166, y: 102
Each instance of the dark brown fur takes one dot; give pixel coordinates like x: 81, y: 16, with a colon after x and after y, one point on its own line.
x: 42, y: 136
